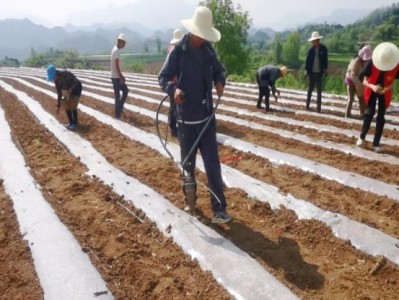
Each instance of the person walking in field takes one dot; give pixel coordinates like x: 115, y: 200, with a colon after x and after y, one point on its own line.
x: 379, y: 79
x: 118, y: 80
x: 266, y: 78
x: 194, y: 63
x: 177, y: 36
x: 69, y: 90
x: 316, y: 65
x: 352, y: 80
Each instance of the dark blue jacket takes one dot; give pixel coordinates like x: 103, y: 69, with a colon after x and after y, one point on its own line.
x: 267, y: 76
x: 323, y: 59
x: 197, y: 71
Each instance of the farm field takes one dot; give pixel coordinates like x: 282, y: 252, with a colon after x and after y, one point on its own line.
x: 97, y: 213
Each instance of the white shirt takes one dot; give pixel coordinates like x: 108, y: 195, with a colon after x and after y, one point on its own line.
x: 115, y: 54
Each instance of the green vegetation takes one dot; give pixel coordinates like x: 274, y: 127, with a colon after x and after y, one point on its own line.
x: 9, y: 62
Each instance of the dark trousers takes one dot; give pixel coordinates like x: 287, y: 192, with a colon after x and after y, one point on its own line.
x: 119, y: 101
x: 264, y: 91
x: 172, y: 115
x: 368, y: 118
x: 314, y: 79
x: 210, y: 156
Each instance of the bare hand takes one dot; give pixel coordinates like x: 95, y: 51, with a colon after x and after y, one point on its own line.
x: 179, y: 96
x: 219, y: 89
x: 122, y: 81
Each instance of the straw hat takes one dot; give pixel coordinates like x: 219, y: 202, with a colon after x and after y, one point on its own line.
x: 122, y: 37
x: 315, y: 36
x: 385, y: 56
x: 283, y: 70
x: 365, y: 53
x: 177, y: 35
x: 201, y: 25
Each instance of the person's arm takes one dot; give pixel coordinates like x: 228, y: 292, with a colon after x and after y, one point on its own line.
x: 166, y: 77
x: 219, y: 78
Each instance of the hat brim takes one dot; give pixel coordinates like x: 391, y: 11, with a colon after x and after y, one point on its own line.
x: 209, y: 34
x: 386, y: 65
x: 315, y: 38
x: 174, y: 41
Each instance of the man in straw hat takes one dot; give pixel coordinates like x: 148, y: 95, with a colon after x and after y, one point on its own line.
x: 177, y: 36
x: 194, y: 63
x: 118, y: 80
x: 379, y: 79
x: 352, y: 79
x: 316, y: 68
x: 266, y: 77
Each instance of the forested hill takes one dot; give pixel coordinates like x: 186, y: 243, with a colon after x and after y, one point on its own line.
x: 380, y: 25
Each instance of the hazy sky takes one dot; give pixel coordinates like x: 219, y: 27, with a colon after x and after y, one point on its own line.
x: 278, y: 14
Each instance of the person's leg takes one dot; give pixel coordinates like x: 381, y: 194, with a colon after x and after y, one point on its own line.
x: 125, y: 92
x: 117, y: 95
x: 267, y: 98
x: 351, y: 94
x: 362, y: 105
x: 368, y: 116
x: 210, y: 156
x: 259, y: 104
x: 310, y: 90
x: 319, y: 83
x: 380, y: 122
x: 187, y: 137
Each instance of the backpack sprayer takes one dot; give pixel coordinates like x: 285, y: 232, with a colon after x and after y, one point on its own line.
x: 189, y: 184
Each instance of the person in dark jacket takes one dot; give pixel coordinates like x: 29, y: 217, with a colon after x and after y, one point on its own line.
x: 194, y: 63
x: 379, y: 79
x: 316, y: 68
x: 266, y: 78
x: 69, y: 90
x: 177, y: 36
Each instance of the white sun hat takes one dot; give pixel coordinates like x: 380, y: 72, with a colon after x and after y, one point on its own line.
x: 315, y: 36
x: 201, y: 25
x: 177, y: 35
x: 122, y: 37
x: 385, y: 56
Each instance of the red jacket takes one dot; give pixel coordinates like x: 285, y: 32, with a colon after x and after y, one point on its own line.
x: 389, y: 78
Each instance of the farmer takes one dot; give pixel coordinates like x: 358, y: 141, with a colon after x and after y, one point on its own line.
x: 194, y: 63
x: 69, y: 89
x: 379, y: 79
x: 177, y: 36
x: 118, y: 80
x: 352, y: 79
x: 266, y: 77
x: 316, y: 67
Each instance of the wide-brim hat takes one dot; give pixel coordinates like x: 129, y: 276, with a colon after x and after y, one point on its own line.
x: 385, y: 56
x: 365, y: 53
x: 315, y: 36
x: 51, y: 73
x: 177, y: 35
x: 122, y: 37
x: 201, y: 25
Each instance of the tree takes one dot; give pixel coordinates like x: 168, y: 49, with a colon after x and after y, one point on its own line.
x: 291, y: 47
x: 233, y: 24
x: 159, y: 45
x: 277, y: 48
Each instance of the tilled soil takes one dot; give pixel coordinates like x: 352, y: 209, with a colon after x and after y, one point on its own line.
x: 138, y: 262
